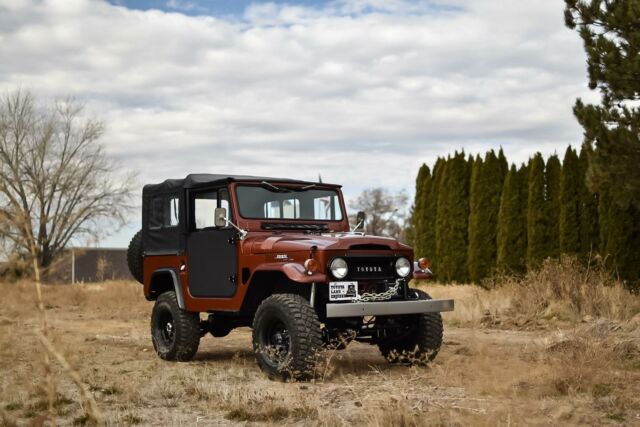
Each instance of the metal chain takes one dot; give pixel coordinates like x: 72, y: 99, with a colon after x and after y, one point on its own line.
x: 382, y: 296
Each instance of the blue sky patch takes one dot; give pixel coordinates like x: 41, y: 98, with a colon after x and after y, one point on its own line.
x: 206, y: 7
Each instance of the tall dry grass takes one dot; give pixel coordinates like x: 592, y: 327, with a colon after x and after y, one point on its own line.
x: 569, y: 290
x: 564, y: 290
x: 560, y: 373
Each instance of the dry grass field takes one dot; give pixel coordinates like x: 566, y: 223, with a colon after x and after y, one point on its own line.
x: 557, y: 348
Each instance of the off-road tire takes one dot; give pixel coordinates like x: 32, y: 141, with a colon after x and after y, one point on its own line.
x: 185, y: 326
x: 134, y: 257
x: 421, y: 345
x: 304, y: 333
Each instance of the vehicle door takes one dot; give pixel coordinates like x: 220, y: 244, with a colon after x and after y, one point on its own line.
x: 211, y: 251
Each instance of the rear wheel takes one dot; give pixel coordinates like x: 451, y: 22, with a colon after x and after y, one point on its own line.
x: 287, y: 338
x: 175, y: 333
x: 412, y: 339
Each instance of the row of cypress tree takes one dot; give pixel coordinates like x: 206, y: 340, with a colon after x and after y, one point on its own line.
x: 474, y: 216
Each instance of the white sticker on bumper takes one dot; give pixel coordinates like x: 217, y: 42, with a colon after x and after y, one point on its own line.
x: 341, y: 291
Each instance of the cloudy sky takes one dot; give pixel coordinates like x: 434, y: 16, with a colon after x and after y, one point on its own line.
x: 359, y: 91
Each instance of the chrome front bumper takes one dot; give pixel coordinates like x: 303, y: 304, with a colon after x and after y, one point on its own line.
x: 388, y: 308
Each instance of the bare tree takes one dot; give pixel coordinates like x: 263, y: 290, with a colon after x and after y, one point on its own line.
x: 56, y: 183
x: 386, y: 212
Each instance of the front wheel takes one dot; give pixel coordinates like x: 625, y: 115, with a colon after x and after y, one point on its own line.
x: 287, y: 337
x: 414, y: 339
x: 175, y: 332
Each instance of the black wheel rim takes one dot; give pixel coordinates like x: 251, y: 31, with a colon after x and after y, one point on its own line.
x: 166, y: 328
x: 276, y: 343
x: 395, y: 330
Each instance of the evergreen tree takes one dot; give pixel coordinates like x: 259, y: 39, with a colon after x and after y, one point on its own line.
x: 441, y: 183
x: 571, y: 183
x: 504, y: 165
x: 512, y: 223
x: 589, y: 227
x: 452, y: 220
x: 430, y: 205
x: 523, y: 178
x: 619, y: 231
x: 537, y: 247
x: 611, y: 36
x: 486, y: 187
x: 553, y: 172
x: 417, y: 215
x: 474, y: 250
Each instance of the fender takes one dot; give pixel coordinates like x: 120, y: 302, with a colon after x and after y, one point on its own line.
x: 177, y: 284
x: 294, y: 272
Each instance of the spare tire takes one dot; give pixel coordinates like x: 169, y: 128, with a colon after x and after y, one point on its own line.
x: 134, y: 257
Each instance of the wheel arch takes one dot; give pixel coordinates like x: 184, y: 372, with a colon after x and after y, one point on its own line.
x: 165, y: 280
x: 263, y: 284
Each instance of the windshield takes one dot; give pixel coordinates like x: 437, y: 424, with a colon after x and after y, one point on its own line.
x: 271, y: 202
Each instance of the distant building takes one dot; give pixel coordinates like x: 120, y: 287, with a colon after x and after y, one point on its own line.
x: 85, y: 265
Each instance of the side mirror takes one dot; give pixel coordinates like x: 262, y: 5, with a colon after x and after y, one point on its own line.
x: 221, y: 217
x: 361, y: 217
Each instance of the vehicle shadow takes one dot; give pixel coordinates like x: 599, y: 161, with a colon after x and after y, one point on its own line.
x: 225, y: 355
x: 356, y: 360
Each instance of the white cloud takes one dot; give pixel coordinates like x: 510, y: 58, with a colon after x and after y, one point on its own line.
x: 361, y: 91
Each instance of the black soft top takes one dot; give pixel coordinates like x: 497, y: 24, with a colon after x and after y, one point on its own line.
x: 195, y: 180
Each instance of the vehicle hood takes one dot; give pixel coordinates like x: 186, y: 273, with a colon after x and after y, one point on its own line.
x: 289, y: 242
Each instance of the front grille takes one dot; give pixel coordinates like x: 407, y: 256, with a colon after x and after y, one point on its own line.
x: 371, y: 268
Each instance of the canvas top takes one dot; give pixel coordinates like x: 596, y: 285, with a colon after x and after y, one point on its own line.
x: 195, y: 180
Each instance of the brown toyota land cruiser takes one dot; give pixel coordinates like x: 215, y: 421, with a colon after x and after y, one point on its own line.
x: 277, y: 255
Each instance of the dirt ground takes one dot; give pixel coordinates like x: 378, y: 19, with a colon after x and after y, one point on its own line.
x: 490, y: 371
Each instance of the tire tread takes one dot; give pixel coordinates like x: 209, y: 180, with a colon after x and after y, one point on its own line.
x: 187, y: 326
x: 306, y: 333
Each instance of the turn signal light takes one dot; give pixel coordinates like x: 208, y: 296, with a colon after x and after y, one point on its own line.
x: 311, y: 265
x: 423, y: 263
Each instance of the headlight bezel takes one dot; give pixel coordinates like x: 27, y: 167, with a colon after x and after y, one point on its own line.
x: 406, y: 266
x: 333, y: 268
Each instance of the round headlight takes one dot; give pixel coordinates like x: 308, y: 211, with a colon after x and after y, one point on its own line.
x: 339, y: 268
x: 403, y: 267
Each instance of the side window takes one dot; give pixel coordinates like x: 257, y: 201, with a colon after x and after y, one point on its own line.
x: 205, y: 205
x: 165, y: 212
x: 172, y: 212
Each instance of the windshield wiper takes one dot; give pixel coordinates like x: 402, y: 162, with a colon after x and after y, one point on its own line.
x: 287, y: 190
x: 280, y: 190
